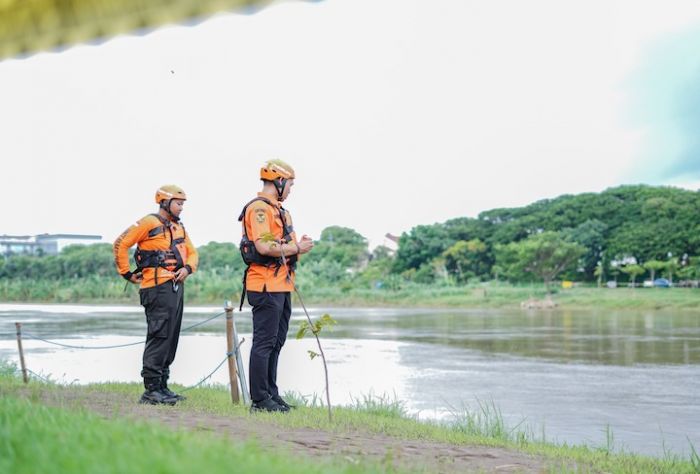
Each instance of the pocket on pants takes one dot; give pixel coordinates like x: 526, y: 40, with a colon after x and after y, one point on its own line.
x: 146, y: 297
x: 158, y: 328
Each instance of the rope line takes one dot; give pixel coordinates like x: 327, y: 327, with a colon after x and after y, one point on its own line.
x: 69, y: 346
x: 37, y: 375
x: 228, y: 354
x: 204, y: 322
x: 31, y: 372
x: 30, y: 335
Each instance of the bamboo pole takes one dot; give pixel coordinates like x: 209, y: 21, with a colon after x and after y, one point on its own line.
x: 21, y: 352
x: 228, y: 307
x: 239, y: 364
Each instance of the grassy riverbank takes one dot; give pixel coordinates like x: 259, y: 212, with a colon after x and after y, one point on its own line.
x: 484, y: 295
x: 52, y: 428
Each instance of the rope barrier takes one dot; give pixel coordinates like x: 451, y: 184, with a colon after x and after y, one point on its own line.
x: 38, y: 376
x: 228, y: 354
x: 204, y: 322
x: 44, y: 379
x: 68, y: 346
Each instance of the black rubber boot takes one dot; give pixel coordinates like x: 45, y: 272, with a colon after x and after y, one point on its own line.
x: 268, y: 405
x: 154, y: 395
x: 168, y: 392
x: 280, y: 401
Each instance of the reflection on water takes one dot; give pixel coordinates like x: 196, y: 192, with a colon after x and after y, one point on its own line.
x: 619, y: 338
x: 572, y: 373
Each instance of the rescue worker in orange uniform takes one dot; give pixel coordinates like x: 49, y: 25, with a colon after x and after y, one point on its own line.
x: 165, y: 257
x: 270, y: 249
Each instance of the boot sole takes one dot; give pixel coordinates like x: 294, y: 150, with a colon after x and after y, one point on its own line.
x: 146, y: 401
x: 264, y: 410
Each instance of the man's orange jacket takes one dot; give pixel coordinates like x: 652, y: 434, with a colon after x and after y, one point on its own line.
x: 150, y: 233
x: 261, y: 219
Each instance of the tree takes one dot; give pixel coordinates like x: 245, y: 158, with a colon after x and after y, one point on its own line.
x: 599, y: 273
x: 614, y: 272
x: 221, y: 256
x: 672, y: 266
x: 654, y: 266
x: 378, y: 270
x: 465, y: 259
x: 419, y: 246
x: 544, y: 255
x: 690, y: 270
x: 590, y: 234
x: 381, y: 252
x: 342, y: 245
x: 633, y: 271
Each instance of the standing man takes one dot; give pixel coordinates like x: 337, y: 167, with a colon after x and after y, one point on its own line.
x: 270, y: 249
x: 164, y: 258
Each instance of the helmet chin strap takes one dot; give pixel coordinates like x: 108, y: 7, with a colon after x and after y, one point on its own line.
x: 165, y: 206
x: 279, y: 186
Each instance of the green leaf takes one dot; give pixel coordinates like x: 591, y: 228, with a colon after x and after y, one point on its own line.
x: 324, y: 321
x: 313, y: 354
x: 268, y: 237
x: 327, y: 320
x: 303, y: 327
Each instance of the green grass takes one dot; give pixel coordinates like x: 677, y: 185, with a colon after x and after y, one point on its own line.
x: 479, y: 295
x: 36, y: 438
x: 484, y: 425
x: 499, y: 295
x: 34, y: 434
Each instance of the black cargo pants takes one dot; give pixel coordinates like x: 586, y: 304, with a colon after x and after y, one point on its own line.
x: 163, y: 305
x: 271, y: 312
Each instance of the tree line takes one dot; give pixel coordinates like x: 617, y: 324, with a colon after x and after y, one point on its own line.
x: 626, y: 233
x: 623, y: 232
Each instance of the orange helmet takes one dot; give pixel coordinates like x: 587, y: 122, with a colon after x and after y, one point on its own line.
x: 168, y: 192
x: 276, y: 169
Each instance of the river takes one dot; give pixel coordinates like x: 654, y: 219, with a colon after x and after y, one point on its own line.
x: 569, y: 374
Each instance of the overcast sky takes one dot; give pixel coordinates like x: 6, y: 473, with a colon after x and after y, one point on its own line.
x: 393, y: 112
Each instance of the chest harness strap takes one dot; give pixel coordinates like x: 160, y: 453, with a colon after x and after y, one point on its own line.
x: 251, y: 255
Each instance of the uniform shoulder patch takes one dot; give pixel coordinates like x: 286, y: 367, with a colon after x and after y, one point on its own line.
x: 259, y: 215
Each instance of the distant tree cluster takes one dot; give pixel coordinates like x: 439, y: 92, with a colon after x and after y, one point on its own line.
x: 626, y: 232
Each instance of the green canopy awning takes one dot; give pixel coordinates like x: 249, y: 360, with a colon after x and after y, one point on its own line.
x: 30, y: 26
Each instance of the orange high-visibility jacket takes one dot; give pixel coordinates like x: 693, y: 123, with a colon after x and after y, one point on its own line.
x: 152, y: 233
x: 260, y: 219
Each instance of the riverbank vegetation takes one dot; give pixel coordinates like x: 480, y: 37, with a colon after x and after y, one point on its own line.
x: 502, y: 257
x: 52, y: 428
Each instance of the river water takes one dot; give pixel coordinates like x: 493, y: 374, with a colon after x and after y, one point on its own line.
x: 569, y: 374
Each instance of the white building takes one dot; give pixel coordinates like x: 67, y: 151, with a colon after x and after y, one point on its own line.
x: 48, y: 244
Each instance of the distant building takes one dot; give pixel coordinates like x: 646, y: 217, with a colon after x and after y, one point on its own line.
x: 17, y: 244
x: 391, y: 241
x: 47, y: 244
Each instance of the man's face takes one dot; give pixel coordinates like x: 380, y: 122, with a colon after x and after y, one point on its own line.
x: 287, y: 188
x: 176, y: 206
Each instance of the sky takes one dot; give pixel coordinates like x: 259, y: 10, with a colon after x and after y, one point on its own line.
x: 394, y: 113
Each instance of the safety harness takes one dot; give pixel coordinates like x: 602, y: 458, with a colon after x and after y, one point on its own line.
x: 160, y: 258
x: 251, y: 255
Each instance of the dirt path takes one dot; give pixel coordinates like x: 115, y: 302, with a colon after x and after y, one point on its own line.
x: 352, y: 446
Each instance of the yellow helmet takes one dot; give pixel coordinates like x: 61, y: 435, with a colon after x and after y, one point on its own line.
x: 168, y: 192
x: 276, y: 169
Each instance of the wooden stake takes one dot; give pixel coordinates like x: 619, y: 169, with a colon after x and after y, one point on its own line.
x: 239, y: 364
x: 232, y: 356
x: 21, y: 352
